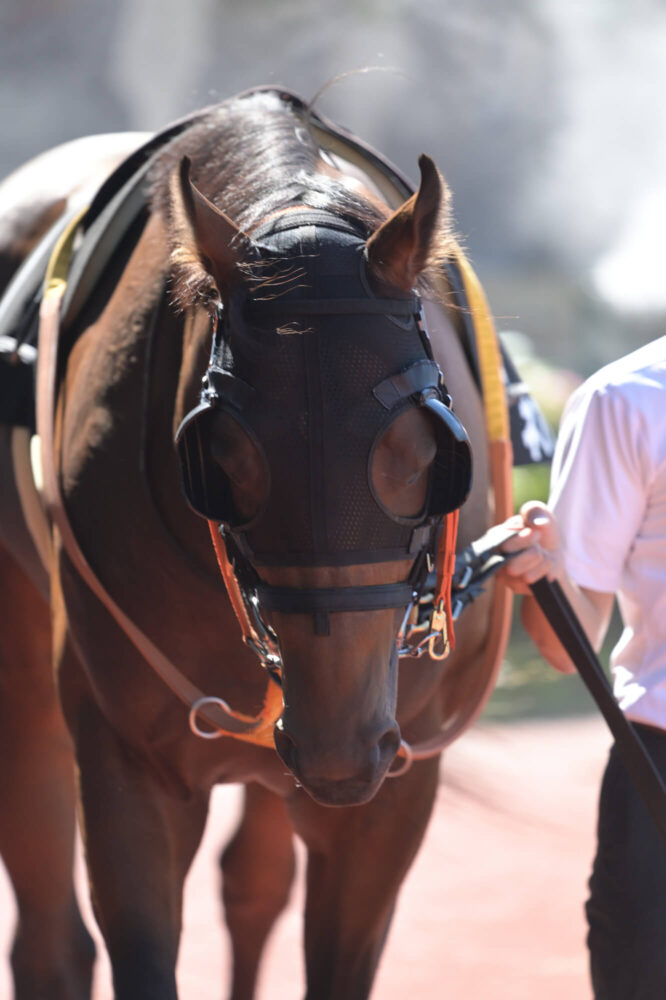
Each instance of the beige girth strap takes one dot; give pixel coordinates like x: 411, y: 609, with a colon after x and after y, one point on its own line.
x: 29, y: 489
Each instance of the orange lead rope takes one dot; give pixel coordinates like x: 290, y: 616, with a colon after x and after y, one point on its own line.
x: 446, y: 562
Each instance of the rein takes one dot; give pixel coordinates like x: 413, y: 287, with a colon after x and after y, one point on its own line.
x: 481, y: 560
x: 556, y: 607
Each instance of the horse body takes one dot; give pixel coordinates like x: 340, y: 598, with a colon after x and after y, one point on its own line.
x: 132, y: 375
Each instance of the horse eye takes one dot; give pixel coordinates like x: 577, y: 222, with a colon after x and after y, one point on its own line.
x: 400, y: 464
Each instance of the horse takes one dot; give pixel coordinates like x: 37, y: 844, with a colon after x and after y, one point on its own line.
x: 247, y: 396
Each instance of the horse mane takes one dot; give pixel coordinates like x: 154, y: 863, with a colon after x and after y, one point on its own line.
x: 253, y: 156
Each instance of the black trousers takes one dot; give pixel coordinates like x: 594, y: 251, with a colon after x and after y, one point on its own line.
x: 626, y: 910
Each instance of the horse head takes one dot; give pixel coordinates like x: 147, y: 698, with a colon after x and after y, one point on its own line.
x: 323, y: 445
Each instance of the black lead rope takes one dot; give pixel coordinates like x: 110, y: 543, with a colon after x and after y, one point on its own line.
x: 482, y: 559
x: 556, y: 607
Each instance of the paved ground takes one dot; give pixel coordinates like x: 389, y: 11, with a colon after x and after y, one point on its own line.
x: 493, y: 905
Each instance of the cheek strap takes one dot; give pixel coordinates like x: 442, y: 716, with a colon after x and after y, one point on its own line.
x: 441, y: 619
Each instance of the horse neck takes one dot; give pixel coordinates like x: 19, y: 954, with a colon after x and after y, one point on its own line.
x: 117, y: 405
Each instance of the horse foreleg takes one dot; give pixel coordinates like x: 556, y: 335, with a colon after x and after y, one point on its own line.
x: 258, y: 869
x: 357, y: 859
x: 52, y: 954
x: 140, y: 840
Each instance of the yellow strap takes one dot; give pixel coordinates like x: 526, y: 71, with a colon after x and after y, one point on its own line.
x: 490, y: 360
x: 58, y: 266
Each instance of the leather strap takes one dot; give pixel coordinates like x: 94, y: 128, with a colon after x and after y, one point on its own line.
x: 556, y: 607
x: 419, y: 376
x: 231, y: 582
x: 303, y: 600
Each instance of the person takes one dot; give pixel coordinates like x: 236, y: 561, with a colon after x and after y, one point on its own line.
x: 602, y: 536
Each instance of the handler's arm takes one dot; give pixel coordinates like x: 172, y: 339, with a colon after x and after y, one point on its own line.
x: 539, y: 555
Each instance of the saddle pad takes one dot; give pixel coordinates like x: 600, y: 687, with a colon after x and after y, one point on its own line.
x: 19, y: 316
x: 17, y: 384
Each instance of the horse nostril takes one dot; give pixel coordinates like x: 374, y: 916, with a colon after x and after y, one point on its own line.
x: 389, y: 744
x: 363, y: 764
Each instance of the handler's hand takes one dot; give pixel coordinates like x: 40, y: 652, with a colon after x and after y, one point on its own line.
x: 537, y: 543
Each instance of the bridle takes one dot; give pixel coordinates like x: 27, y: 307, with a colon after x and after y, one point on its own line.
x: 428, y: 541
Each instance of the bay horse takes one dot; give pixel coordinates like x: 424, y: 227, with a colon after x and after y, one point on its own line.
x: 323, y: 452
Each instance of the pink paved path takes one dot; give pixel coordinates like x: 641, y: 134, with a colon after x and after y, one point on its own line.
x: 493, y: 905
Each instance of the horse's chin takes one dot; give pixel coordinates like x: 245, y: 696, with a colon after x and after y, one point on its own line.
x: 342, y: 793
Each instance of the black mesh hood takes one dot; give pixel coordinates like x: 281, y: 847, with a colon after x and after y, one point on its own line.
x: 320, y: 381
x: 302, y: 347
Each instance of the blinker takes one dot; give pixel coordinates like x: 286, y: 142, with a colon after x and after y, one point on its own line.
x: 207, y: 488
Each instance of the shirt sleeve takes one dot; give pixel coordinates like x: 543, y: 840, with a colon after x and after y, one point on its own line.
x: 598, y: 487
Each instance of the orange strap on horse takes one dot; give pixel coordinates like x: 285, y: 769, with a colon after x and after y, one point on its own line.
x: 442, y: 615
x: 231, y: 583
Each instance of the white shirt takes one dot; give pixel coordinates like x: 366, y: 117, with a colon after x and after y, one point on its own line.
x: 608, y: 492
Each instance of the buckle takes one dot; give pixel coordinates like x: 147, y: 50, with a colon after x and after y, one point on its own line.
x: 439, y: 646
x: 265, y: 642
x: 434, y: 638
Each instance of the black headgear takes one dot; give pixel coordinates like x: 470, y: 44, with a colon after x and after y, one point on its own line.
x: 314, y: 367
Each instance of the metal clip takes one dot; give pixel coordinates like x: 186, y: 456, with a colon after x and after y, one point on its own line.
x: 457, y: 608
x: 405, y: 631
x: 439, y: 646
x: 266, y: 643
x: 434, y: 636
x: 467, y: 575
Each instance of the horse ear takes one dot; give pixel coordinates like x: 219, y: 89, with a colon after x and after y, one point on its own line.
x: 217, y: 238
x: 404, y: 245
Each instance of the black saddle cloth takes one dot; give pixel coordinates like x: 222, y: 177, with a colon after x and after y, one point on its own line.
x: 19, y: 319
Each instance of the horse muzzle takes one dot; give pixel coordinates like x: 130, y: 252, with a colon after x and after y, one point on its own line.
x: 345, y: 775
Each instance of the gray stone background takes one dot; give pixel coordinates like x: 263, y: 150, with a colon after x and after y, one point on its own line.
x: 546, y: 116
